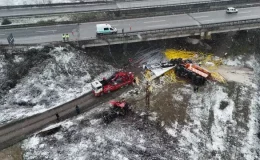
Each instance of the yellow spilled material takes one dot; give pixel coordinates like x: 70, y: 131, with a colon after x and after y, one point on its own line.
x: 148, y: 75
x: 209, y: 62
x: 171, y: 77
x: 217, y: 77
x: 173, y: 54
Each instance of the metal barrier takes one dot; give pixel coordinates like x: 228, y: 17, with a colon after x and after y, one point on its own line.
x: 129, y: 36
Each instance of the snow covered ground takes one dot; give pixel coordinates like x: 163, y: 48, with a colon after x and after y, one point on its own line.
x: 27, y: 2
x: 60, y: 76
x: 218, y: 122
x: 32, y: 20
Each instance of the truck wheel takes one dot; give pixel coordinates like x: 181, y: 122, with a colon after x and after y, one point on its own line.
x: 108, y: 91
x: 177, y: 69
x: 203, y: 80
x: 193, y: 78
x: 198, y: 80
x: 189, y: 74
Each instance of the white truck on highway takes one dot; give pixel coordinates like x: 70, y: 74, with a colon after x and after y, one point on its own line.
x: 105, y: 29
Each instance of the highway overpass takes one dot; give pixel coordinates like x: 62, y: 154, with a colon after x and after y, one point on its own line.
x: 142, y: 29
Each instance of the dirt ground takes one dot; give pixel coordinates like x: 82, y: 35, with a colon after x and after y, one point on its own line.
x: 12, y: 153
x: 237, y: 74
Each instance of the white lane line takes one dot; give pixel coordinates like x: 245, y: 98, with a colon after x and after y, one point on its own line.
x: 246, y: 12
x: 2, y: 34
x: 159, y: 25
x: 46, y: 31
x: 201, y: 17
x: 249, y: 16
x: 136, y: 3
x: 207, y: 21
x: 155, y: 21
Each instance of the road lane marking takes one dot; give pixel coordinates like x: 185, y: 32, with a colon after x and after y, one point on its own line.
x: 246, y: 12
x: 2, y: 34
x: 136, y: 3
x: 159, y: 25
x: 155, y: 21
x: 207, y: 21
x: 201, y: 17
x: 46, y: 31
x: 249, y: 16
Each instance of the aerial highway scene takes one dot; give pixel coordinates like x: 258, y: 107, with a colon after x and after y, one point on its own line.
x: 129, y: 79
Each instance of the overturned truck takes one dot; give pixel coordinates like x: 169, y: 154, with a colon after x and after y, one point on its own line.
x: 183, y: 68
x: 189, y: 70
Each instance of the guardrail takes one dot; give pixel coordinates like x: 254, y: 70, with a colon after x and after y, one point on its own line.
x: 111, y: 1
x: 228, y: 2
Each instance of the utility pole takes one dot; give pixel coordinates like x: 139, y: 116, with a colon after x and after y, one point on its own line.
x: 147, y: 97
x: 78, y: 33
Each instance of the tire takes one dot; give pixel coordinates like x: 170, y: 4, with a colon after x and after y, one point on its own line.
x: 108, y: 91
x: 189, y: 74
x: 193, y: 78
x: 179, y: 60
x: 203, y: 80
x: 198, y: 80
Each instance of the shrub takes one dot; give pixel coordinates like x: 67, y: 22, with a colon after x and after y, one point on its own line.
x: 6, y: 21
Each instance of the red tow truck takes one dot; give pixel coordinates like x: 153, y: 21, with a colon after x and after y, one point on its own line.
x: 116, y: 81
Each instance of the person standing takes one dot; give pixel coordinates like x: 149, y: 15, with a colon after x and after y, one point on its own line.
x: 67, y: 37
x: 57, y: 117
x: 63, y: 37
x: 77, y: 109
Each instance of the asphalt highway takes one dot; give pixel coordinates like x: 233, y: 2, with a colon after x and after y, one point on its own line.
x: 88, y: 30
x: 85, y: 8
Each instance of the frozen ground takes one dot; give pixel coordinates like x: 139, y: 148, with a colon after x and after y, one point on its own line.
x: 32, y: 20
x: 218, y: 122
x: 27, y: 2
x: 61, y: 75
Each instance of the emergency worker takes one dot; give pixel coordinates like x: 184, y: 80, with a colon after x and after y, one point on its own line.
x: 63, y: 37
x: 67, y: 36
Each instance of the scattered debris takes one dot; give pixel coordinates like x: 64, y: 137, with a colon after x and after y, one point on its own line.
x: 118, y: 108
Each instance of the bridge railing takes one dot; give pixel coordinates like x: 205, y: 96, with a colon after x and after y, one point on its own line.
x: 142, y: 34
x: 210, y: 3
x: 231, y: 23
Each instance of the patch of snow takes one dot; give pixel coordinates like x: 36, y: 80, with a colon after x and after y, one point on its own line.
x: 233, y: 62
x: 58, y: 79
x: 221, y: 118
